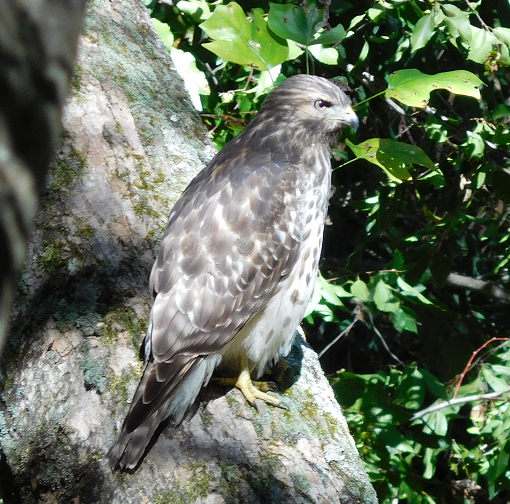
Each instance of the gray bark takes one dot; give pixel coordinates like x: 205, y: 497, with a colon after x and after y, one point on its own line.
x: 37, y: 53
x: 131, y: 144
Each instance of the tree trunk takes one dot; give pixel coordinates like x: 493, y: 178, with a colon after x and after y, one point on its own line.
x: 37, y: 54
x: 131, y: 143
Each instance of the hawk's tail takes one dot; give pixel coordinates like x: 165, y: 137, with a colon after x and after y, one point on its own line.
x: 166, y: 389
x: 130, y: 447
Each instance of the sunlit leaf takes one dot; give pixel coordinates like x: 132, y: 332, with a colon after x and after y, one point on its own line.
x: 198, y: 10
x: 194, y: 80
x: 436, y: 423
x: 243, y: 42
x: 411, y: 291
x: 494, y: 381
x: 376, y: 11
x: 475, y: 145
x: 364, y: 51
x: 429, y: 459
x: 502, y: 34
x: 457, y: 22
x: 403, y: 320
x: 395, y: 158
x: 326, y: 55
x: 328, y: 293
x: 423, y: 32
x: 481, y: 45
x: 360, y: 290
x: 384, y: 298
x: 355, y: 21
x: 164, y: 32
x: 413, y: 87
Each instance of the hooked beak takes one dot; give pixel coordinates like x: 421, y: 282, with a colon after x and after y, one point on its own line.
x: 351, y: 119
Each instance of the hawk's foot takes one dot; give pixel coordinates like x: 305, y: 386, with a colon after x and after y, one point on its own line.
x: 251, y: 389
x: 254, y: 390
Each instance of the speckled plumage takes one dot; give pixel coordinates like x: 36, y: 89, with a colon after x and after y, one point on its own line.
x: 239, y: 257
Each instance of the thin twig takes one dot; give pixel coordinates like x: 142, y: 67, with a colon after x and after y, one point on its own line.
x: 459, y: 400
x: 385, y: 345
x: 471, y: 360
x: 346, y: 331
x: 475, y: 12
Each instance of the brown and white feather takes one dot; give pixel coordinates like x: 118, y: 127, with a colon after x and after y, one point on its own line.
x: 239, y: 257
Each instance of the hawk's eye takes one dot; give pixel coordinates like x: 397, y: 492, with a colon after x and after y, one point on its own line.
x: 322, y: 104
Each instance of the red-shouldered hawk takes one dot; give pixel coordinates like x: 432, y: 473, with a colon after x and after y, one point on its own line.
x: 239, y: 258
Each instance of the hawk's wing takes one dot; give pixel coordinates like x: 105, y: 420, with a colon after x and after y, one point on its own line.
x: 231, y: 237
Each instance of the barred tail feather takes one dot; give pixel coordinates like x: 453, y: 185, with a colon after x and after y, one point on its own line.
x: 176, y: 395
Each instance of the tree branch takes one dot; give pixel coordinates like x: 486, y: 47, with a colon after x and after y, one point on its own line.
x: 459, y: 400
x: 484, y: 287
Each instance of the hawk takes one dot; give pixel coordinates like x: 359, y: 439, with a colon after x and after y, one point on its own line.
x: 239, y: 258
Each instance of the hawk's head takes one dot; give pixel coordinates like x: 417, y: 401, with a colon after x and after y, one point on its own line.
x: 310, y: 104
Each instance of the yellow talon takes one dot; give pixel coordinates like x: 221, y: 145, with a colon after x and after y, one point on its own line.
x: 251, y: 389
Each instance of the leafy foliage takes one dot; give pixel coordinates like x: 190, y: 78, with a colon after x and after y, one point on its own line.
x: 417, y: 251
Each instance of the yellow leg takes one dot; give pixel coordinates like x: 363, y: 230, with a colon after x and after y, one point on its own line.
x: 251, y: 389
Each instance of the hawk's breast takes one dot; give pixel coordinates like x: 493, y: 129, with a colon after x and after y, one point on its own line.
x: 268, y: 335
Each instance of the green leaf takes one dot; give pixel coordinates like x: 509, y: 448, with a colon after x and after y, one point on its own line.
x: 436, y: 423
x: 475, y: 145
x: 328, y: 293
x: 198, y: 10
x: 429, y: 459
x: 384, y: 298
x: 339, y: 290
x: 375, y: 12
x: 436, y: 178
x: 333, y: 36
x: 359, y: 289
x: 480, y: 45
x: 494, y: 381
x: 433, y: 384
x: 164, y: 32
x: 422, y: 32
x: 296, y: 23
x: 502, y: 34
x: 237, y: 40
x: 356, y: 20
x: 410, y: 392
x: 501, y: 112
x: 457, y: 23
x: 393, y: 157
x: 411, y: 291
x: 325, y: 313
x: 364, y: 51
x: 413, y: 87
x: 405, y: 320
x: 498, y: 466
x: 326, y: 55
